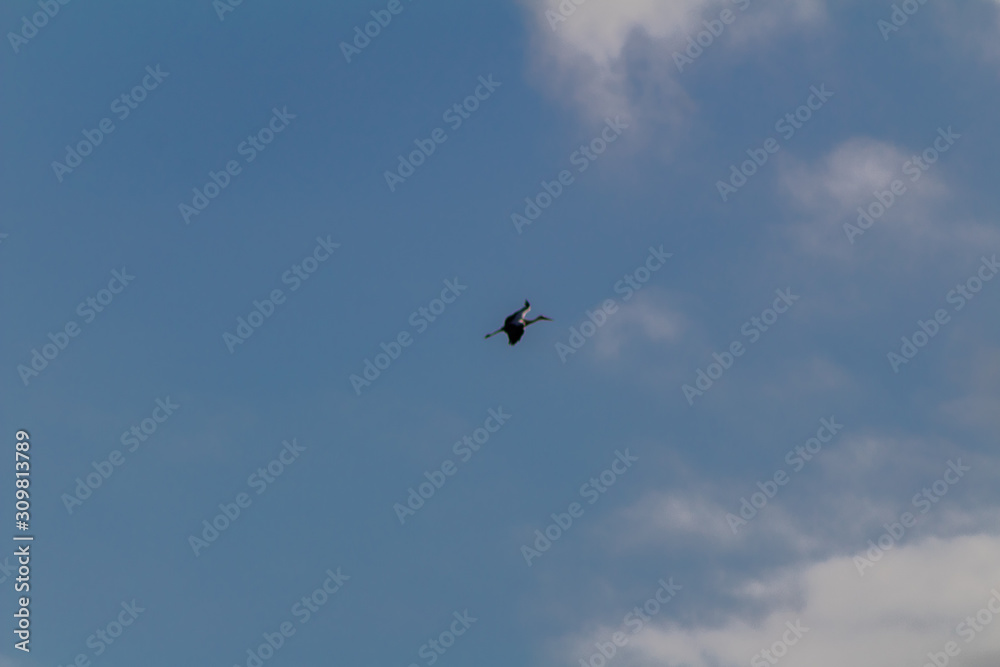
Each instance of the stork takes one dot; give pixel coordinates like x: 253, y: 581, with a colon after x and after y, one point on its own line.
x: 515, y: 323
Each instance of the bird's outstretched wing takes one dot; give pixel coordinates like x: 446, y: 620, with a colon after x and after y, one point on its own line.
x: 514, y: 335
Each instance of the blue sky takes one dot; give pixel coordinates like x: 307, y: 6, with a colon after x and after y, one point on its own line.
x: 866, y: 481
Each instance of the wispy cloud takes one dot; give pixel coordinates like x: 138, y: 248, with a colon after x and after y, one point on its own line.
x: 831, y: 504
x: 607, y: 57
x: 650, y: 318
x: 893, y: 616
x: 826, y: 194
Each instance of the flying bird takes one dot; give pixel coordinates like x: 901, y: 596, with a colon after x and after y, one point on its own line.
x: 515, y: 323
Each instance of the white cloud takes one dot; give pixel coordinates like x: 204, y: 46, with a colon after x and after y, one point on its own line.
x: 831, y: 504
x: 826, y: 194
x: 661, y: 517
x: 616, y: 56
x: 846, y: 177
x: 800, y: 554
x: 648, y: 317
x: 892, y: 616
